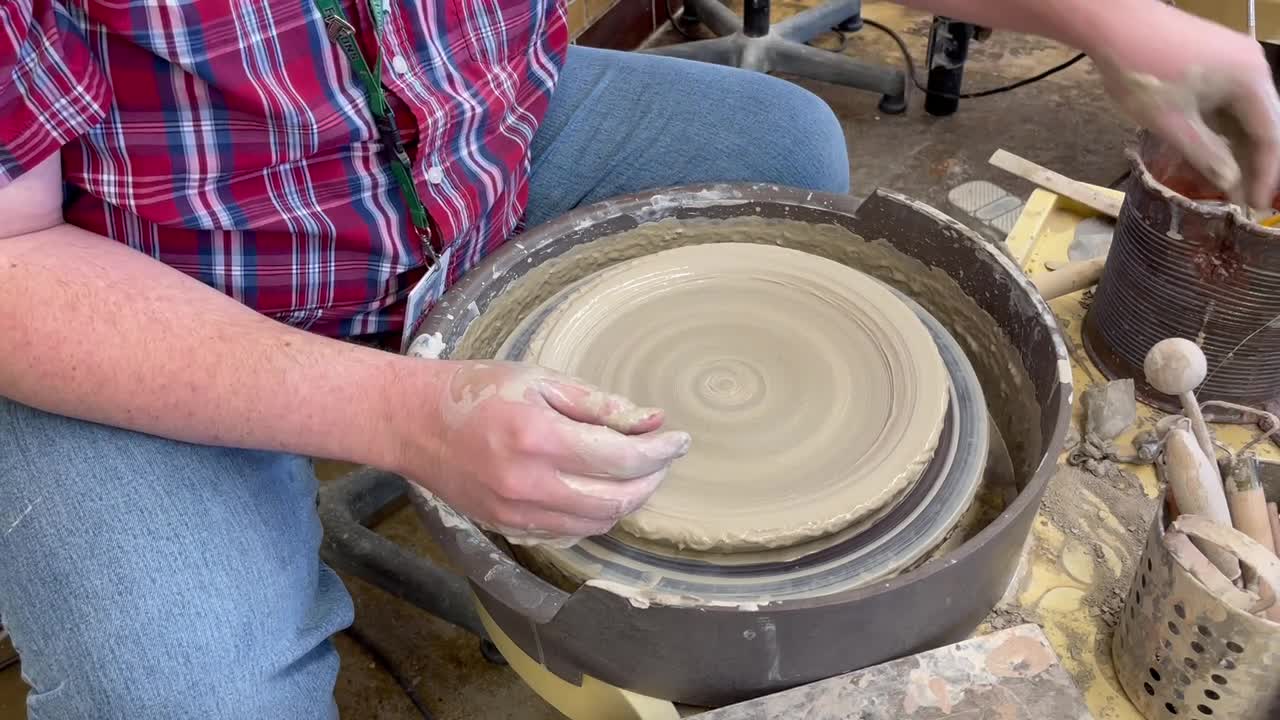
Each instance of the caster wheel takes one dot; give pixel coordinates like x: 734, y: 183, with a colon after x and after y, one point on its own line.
x: 853, y: 24
x: 893, y: 104
x: 491, y: 652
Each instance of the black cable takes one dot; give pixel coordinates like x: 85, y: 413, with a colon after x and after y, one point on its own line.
x: 671, y: 16
x: 379, y: 657
x: 911, y: 69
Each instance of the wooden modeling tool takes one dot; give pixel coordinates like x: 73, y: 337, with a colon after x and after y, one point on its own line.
x: 1177, y: 366
x: 1195, y: 486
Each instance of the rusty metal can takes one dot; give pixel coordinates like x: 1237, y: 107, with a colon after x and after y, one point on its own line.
x: 1184, y: 263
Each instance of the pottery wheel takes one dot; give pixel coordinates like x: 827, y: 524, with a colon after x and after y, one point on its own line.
x: 880, y: 547
x: 814, y: 394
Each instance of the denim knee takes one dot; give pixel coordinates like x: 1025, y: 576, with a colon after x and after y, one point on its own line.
x: 806, y: 127
x: 623, y: 123
x: 146, y: 579
x: 117, y: 679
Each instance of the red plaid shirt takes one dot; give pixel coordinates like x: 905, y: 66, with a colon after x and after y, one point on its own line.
x: 229, y: 138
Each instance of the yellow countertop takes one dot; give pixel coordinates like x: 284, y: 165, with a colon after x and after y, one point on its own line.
x: 1089, y: 533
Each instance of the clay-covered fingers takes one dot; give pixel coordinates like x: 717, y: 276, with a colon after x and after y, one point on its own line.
x: 539, y: 456
x: 1256, y: 109
x: 598, y: 500
x: 601, y: 452
x: 1200, y: 145
x: 621, y: 497
x: 586, y: 404
x: 576, y: 507
x: 548, y: 527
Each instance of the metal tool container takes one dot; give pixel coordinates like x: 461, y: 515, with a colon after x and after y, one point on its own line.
x: 1184, y: 263
x: 713, y: 655
x: 1181, y: 652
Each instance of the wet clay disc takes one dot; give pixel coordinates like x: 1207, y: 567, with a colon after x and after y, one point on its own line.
x: 814, y: 396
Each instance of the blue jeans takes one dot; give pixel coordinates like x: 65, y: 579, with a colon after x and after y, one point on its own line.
x: 143, y: 578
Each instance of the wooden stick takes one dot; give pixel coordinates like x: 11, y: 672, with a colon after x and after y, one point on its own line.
x: 1083, y: 193
x: 1248, y: 504
x: 1273, y: 515
x: 1069, y: 278
x: 1249, y: 516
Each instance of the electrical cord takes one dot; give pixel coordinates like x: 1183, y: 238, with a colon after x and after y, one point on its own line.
x: 671, y: 16
x: 374, y: 650
x: 911, y: 69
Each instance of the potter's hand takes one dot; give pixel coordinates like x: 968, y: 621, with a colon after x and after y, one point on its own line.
x: 1204, y: 88
x: 538, y: 456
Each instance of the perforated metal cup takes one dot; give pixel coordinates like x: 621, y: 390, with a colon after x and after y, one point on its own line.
x: 1180, y: 652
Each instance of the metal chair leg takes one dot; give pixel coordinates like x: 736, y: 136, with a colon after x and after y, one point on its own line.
x: 719, y: 51
x: 815, y: 21
x: 829, y: 67
x: 751, y: 43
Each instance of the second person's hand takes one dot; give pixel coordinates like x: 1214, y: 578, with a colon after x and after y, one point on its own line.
x: 1204, y: 88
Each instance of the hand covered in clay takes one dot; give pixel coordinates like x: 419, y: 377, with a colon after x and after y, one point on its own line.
x: 540, y: 457
x: 1204, y: 88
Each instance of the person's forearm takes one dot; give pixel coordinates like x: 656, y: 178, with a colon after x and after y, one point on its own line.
x: 1084, y: 24
x: 95, y: 330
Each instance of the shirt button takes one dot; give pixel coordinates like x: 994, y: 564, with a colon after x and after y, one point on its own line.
x: 399, y: 65
x: 435, y: 175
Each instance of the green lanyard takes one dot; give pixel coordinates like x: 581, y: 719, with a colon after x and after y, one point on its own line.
x: 344, y: 34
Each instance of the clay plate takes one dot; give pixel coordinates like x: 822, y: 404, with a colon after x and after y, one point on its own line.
x: 815, y: 396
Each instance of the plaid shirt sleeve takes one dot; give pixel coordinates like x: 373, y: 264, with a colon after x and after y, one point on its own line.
x: 51, y: 89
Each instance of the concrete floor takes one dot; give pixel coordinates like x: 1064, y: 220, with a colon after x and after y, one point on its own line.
x: 1063, y: 122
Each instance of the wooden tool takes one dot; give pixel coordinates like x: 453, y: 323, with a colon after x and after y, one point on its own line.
x: 1088, y: 195
x: 1247, y: 503
x: 1264, y: 565
x: 1177, y: 366
x: 1273, y: 516
x: 1069, y: 278
x: 1196, y: 488
x: 1194, y: 562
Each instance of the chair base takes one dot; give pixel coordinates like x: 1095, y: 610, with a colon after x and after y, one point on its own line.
x: 751, y: 43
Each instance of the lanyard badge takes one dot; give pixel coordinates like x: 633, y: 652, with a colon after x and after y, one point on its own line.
x: 343, y: 34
